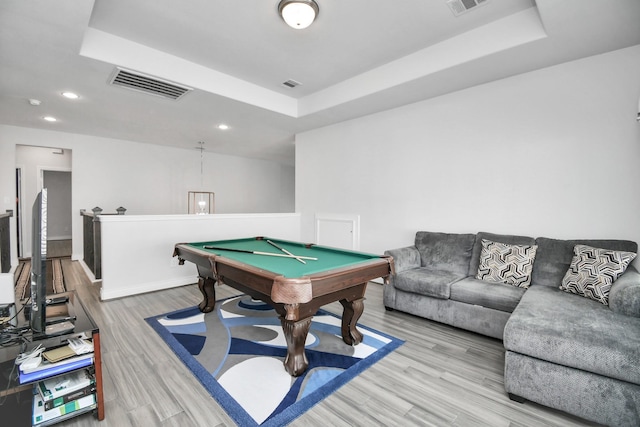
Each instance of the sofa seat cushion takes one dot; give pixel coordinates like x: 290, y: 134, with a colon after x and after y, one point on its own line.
x: 498, y: 296
x: 425, y: 281
x: 577, y: 332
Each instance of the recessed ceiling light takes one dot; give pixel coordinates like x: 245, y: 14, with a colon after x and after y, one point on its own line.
x: 222, y: 126
x: 34, y: 102
x: 50, y: 119
x: 70, y: 95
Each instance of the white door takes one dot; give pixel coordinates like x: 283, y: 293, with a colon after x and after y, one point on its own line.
x: 340, y: 231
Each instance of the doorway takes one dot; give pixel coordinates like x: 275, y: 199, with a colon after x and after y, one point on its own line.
x: 58, y: 185
x: 38, y: 168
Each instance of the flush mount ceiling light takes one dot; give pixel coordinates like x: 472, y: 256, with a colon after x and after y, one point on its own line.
x: 298, y: 14
x: 70, y: 95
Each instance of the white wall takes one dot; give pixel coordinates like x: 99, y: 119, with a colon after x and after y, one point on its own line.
x: 137, y: 249
x: 147, y: 178
x: 554, y: 153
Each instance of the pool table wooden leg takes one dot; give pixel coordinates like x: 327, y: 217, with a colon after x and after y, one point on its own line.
x: 206, y: 286
x: 350, y: 316
x: 295, y: 333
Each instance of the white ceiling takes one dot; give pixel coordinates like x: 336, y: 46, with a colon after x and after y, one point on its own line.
x: 359, y: 57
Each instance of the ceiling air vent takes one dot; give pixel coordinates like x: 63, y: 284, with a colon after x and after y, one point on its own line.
x: 291, y: 83
x: 147, y: 84
x: 458, y: 7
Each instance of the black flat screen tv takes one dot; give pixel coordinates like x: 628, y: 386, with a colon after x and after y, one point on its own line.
x: 37, y: 318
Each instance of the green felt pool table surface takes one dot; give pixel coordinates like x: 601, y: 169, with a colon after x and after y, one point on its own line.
x: 328, y: 258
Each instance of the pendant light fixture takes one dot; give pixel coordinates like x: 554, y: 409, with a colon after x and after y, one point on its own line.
x: 298, y: 14
x: 201, y: 202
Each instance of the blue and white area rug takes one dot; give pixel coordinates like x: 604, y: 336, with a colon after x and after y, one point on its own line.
x: 237, y: 352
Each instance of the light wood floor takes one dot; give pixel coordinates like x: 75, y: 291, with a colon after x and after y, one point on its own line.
x: 441, y: 376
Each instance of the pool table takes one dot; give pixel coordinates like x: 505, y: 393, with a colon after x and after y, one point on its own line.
x: 295, y: 287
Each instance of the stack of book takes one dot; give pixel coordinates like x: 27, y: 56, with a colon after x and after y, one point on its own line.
x: 63, y: 395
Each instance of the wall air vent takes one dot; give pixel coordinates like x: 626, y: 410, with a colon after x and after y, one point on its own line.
x: 147, y: 84
x: 291, y: 83
x: 458, y: 7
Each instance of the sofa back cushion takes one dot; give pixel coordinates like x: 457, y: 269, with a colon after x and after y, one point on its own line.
x: 501, y: 238
x: 553, y: 257
x: 445, y: 251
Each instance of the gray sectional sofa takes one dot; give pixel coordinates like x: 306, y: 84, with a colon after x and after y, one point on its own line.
x: 579, y: 353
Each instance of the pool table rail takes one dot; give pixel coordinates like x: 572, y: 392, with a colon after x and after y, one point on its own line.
x: 286, y: 290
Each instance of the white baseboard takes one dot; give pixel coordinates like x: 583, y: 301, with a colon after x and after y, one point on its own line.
x: 141, y: 288
x: 65, y: 237
x: 87, y: 271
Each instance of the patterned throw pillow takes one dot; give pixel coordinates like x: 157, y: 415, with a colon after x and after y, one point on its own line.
x: 593, y: 271
x: 504, y: 263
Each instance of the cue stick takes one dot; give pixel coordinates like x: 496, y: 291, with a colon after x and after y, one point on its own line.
x: 256, y: 252
x: 285, y: 251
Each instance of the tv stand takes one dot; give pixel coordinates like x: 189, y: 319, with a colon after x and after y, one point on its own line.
x: 18, y: 396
